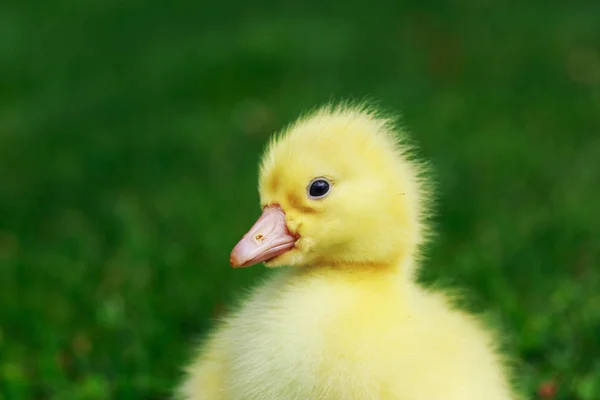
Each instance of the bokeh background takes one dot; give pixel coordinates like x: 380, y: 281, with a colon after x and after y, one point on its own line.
x: 130, y: 133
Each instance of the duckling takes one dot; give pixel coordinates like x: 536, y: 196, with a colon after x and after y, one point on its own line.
x: 345, y: 207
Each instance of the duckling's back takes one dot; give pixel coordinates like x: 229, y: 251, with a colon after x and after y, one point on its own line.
x: 345, y: 335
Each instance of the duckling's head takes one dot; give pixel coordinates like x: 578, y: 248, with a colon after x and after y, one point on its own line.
x: 337, y: 188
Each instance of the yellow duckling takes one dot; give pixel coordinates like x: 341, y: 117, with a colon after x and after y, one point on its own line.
x: 345, y: 206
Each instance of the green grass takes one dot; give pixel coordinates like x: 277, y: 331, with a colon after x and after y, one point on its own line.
x: 129, y: 140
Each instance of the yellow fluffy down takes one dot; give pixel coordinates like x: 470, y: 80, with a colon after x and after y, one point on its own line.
x: 346, y: 320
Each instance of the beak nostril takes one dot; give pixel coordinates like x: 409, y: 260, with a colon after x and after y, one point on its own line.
x: 258, y: 237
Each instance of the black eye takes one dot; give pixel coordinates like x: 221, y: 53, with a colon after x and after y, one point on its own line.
x: 318, y: 188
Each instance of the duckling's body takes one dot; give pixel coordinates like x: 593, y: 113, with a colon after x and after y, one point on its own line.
x: 347, y: 327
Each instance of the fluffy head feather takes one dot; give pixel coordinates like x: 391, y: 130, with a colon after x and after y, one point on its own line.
x: 375, y: 211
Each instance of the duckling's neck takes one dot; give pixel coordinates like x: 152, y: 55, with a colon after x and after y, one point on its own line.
x: 357, y: 270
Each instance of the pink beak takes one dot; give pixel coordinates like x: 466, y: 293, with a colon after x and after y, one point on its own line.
x: 267, y: 239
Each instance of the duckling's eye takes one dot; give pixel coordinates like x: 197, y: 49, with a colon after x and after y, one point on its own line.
x: 318, y: 188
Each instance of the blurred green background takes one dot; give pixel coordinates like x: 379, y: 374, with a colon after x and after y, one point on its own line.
x: 130, y: 134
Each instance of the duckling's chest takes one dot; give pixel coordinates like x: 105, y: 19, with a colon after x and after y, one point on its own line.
x: 303, y: 342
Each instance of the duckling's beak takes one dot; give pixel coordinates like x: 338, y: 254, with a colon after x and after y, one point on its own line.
x: 267, y: 239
